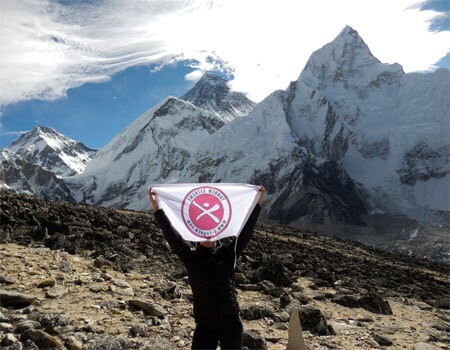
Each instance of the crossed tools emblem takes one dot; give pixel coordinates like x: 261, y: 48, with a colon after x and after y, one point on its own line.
x: 206, y: 211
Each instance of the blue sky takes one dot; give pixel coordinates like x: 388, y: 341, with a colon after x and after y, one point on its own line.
x: 89, y: 68
x: 95, y: 112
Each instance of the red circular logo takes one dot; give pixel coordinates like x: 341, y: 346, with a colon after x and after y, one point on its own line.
x: 206, y: 211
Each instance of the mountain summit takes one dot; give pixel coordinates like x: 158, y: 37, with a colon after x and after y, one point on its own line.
x: 52, y: 151
x: 212, y: 92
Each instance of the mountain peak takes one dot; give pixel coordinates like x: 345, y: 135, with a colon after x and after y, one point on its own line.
x: 52, y: 150
x: 213, y: 93
x: 347, y: 58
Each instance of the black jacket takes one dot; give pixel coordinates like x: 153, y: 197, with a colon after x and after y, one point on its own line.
x: 211, y: 271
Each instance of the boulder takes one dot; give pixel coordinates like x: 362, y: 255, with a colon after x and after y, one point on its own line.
x: 253, y: 340
x: 15, y: 300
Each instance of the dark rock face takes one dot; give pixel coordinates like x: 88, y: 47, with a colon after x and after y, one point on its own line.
x: 212, y: 93
x: 311, y: 193
x: 19, y: 174
x: 422, y: 163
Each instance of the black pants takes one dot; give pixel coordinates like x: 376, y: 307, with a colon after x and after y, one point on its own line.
x: 229, y: 336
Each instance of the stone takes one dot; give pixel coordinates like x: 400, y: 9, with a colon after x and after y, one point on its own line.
x: 314, y: 320
x: 375, y: 303
x: 6, y: 280
x: 346, y: 300
x: 55, y: 319
x: 240, y: 278
x: 302, y: 298
x: 171, y: 292
x: 425, y: 346
x: 149, y: 308
x: 27, y: 324
x: 6, y: 327
x: 9, y: 339
x: 15, y: 300
x: 270, y: 288
x: 42, y: 339
x: 4, y: 318
x: 158, y: 344
x: 49, y: 282
x: 139, y: 330
x: 253, y: 340
x: 121, y: 283
x: 381, y: 339
x: 73, y: 344
x: 443, y: 303
x: 57, y: 292
x: 285, y: 300
x: 255, y: 313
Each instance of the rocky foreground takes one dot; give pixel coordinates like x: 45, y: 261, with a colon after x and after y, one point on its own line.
x: 74, y: 276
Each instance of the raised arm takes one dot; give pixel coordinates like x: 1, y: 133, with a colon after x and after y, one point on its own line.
x: 247, y: 232
x: 177, y: 244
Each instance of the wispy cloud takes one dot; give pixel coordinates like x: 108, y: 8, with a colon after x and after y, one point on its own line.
x: 14, y: 133
x: 49, y: 47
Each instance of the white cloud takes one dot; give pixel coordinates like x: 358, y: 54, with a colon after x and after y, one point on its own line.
x: 48, y: 48
x: 194, y: 75
x: 14, y: 133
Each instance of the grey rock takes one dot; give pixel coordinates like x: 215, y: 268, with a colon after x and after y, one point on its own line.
x: 381, y: 339
x: 375, y: 303
x: 15, y: 300
x: 139, y: 330
x: 424, y: 346
x: 6, y: 280
x: 57, y: 292
x: 59, y: 319
x: 150, y: 308
x: 108, y: 342
x: 6, y: 327
x: 9, y: 339
x: 270, y: 288
x: 256, y: 313
x: 157, y: 344
x: 3, y: 317
x: 27, y: 324
x: 253, y: 340
x: 346, y: 300
x: 73, y: 344
x: 314, y: 320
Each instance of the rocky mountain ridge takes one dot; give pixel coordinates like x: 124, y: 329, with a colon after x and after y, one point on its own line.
x: 89, y: 277
x: 213, y: 93
x: 53, y: 151
x: 351, y: 142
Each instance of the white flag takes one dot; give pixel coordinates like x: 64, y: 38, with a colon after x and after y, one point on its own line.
x: 207, y: 212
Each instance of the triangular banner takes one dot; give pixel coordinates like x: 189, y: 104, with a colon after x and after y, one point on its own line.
x: 295, y: 340
x: 207, y: 212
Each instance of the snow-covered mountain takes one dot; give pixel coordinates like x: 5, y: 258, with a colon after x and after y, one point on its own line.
x: 212, y: 92
x: 350, y: 134
x: 390, y: 130
x: 19, y: 175
x: 155, y: 147
x: 54, y: 152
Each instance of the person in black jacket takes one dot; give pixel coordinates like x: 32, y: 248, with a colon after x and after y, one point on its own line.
x: 211, y: 276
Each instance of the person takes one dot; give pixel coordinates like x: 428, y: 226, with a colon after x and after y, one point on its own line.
x: 210, y: 269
